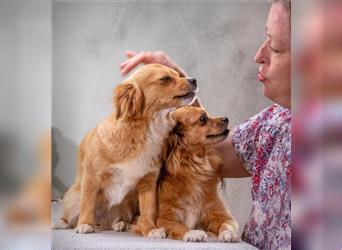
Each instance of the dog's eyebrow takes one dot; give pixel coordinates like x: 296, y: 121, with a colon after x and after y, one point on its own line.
x: 173, y: 72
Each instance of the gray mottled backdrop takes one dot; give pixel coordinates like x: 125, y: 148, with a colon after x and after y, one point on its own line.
x: 214, y: 42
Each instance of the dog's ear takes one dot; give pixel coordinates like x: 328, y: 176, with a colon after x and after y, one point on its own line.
x: 176, y: 138
x: 129, y: 100
x: 172, y: 154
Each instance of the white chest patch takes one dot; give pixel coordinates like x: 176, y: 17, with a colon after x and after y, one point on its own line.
x: 189, y: 217
x: 190, y: 213
x: 192, y: 217
x: 127, y: 174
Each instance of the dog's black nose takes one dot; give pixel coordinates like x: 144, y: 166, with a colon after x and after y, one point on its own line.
x: 193, y: 82
x: 225, y: 120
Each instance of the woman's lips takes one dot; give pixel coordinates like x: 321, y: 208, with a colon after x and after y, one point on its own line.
x: 261, y: 77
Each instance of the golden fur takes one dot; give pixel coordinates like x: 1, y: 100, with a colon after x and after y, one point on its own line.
x: 187, y: 191
x: 119, y: 160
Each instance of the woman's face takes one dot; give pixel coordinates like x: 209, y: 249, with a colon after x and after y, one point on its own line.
x: 274, y: 57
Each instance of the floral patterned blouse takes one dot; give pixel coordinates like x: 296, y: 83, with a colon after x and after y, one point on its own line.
x: 264, y: 145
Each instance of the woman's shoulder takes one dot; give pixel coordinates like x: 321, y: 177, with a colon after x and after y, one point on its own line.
x: 274, y: 116
x: 274, y: 122
x: 275, y: 113
x: 268, y: 129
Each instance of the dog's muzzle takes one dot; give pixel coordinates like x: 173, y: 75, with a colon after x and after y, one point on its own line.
x: 193, y: 83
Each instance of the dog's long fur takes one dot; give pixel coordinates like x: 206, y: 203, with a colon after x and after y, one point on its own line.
x: 119, y: 160
x: 187, y: 192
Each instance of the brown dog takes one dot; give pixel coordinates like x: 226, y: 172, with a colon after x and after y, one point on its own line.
x: 187, y: 192
x: 121, y: 156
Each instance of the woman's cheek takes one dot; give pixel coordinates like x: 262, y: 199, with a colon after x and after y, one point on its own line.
x: 281, y: 70
x: 286, y: 66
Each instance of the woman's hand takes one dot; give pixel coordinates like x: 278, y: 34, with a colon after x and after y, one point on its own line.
x: 134, y: 59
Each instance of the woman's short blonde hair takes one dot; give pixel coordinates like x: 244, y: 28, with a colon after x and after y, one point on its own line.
x: 287, y: 5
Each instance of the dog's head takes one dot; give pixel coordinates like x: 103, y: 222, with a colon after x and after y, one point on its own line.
x: 152, y: 88
x: 194, y: 126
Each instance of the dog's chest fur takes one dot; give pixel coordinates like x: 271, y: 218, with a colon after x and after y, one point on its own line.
x: 126, y: 175
x: 191, y: 203
x: 190, y: 213
x: 191, y: 206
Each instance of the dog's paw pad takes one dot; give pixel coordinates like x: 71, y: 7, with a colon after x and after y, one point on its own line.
x: 195, y: 236
x: 119, y: 226
x: 157, y: 233
x: 60, y: 224
x: 228, y: 236
x: 85, y: 229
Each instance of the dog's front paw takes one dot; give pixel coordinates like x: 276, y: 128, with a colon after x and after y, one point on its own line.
x: 195, y: 236
x: 85, y: 229
x: 157, y: 233
x: 119, y: 226
x: 228, y: 236
x: 60, y: 224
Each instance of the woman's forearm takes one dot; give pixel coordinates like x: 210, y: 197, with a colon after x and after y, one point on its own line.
x: 232, y: 165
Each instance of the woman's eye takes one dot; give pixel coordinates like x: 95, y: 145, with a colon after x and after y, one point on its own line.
x: 203, y: 119
x: 165, y: 79
x: 275, y: 50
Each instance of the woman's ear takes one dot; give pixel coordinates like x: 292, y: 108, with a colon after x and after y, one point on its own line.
x: 129, y: 100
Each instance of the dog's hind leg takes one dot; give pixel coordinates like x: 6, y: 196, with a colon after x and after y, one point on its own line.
x: 71, y: 209
x: 61, y: 224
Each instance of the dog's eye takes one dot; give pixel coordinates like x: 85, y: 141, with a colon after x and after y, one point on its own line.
x: 165, y: 79
x: 203, y: 119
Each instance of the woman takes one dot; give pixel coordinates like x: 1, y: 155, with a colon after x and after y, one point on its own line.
x: 260, y: 147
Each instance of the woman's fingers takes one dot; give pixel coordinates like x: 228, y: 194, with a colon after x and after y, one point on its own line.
x: 133, y: 62
x: 134, y: 59
x: 122, y: 65
x: 130, y: 53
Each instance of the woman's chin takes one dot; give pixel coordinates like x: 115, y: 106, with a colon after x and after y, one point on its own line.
x: 267, y: 93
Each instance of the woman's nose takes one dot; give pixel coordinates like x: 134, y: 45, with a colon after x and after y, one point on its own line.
x: 261, y: 56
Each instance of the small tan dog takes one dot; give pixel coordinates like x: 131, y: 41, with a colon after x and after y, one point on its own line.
x: 120, y: 158
x: 187, y: 191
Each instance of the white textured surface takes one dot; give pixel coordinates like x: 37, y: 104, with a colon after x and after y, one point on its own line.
x: 68, y: 239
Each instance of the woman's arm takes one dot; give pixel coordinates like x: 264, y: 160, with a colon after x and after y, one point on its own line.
x: 232, y: 165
